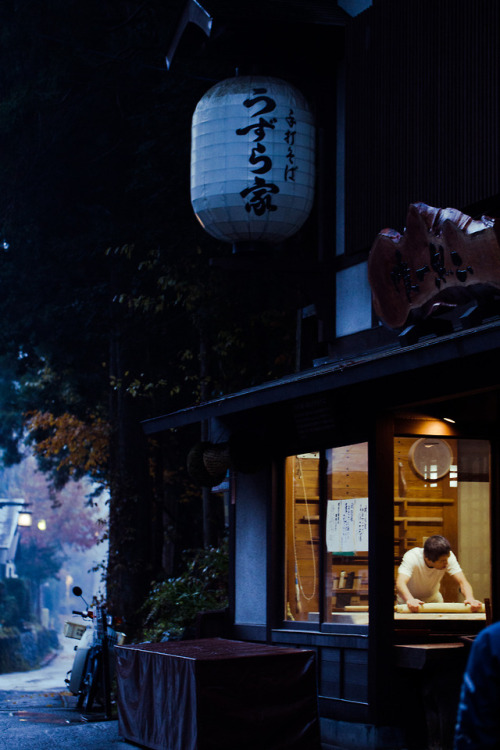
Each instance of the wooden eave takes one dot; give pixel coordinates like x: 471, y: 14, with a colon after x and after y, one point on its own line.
x: 435, y: 368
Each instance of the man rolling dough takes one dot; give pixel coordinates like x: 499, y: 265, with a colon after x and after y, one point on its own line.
x: 421, y: 570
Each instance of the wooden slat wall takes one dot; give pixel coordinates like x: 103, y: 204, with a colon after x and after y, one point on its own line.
x: 423, y: 121
x: 349, y: 472
x: 355, y: 675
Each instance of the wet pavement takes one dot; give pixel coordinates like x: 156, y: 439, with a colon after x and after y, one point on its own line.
x: 38, y: 713
x: 49, y: 721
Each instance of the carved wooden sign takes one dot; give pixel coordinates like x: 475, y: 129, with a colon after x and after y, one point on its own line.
x: 443, y: 259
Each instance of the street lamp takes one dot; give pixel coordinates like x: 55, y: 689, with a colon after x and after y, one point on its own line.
x: 25, y: 516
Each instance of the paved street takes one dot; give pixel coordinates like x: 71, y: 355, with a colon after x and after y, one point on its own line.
x: 38, y: 713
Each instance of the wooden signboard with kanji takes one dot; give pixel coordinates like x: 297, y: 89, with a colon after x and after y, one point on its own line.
x: 443, y: 259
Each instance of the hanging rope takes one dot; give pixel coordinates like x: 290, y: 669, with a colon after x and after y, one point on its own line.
x: 298, y: 472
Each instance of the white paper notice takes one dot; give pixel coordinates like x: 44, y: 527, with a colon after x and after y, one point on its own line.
x: 333, y: 536
x: 361, y: 525
x: 347, y: 525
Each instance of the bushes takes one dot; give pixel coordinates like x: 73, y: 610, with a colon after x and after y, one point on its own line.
x: 47, y: 641
x: 22, y: 644
x: 24, y: 650
x: 173, y: 605
x: 11, y: 652
x: 14, y: 602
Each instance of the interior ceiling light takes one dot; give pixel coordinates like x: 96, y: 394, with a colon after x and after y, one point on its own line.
x: 449, y: 419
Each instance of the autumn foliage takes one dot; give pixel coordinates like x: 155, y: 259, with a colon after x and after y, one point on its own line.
x: 76, y: 447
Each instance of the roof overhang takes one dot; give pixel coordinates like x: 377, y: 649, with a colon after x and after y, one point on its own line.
x: 439, y: 367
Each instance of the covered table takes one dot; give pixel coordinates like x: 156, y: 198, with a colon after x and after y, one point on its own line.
x: 217, y: 694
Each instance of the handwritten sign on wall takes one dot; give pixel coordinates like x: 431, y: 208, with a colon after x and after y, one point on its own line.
x: 347, y: 525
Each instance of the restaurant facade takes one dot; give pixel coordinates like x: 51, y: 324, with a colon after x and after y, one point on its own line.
x: 388, y: 432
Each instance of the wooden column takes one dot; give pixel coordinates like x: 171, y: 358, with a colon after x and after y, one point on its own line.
x: 381, y: 595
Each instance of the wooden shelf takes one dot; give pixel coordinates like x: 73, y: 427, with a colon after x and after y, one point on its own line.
x: 418, y: 519
x: 425, y: 500
x: 361, y: 592
x: 407, y: 539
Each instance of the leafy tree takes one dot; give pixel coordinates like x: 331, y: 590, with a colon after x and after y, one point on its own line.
x: 38, y: 562
x: 111, y: 312
x: 91, y: 132
x: 68, y: 446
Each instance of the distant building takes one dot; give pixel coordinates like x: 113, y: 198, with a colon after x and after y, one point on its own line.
x: 9, y: 539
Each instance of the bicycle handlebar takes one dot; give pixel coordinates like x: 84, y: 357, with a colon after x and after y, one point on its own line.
x: 83, y: 614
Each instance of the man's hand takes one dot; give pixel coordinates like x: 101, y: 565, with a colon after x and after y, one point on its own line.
x: 414, y: 604
x: 466, y: 590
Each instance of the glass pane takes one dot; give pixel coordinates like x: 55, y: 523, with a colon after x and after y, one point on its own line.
x: 447, y: 494
x: 302, y: 537
x: 473, y: 483
x: 346, y: 554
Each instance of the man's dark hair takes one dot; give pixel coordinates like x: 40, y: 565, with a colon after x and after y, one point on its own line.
x: 435, y: 547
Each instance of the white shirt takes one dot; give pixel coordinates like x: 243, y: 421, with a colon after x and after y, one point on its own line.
x: 424, y: 581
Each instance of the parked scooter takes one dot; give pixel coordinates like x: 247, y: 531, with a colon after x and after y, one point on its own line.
x: 93, y: 668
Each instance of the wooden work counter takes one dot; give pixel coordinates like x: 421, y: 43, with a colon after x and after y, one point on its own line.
x: 441, y: 608
x: 428, y: 616
x: 445, y: 611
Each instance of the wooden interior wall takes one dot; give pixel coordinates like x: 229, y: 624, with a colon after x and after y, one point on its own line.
x: 423, y: 508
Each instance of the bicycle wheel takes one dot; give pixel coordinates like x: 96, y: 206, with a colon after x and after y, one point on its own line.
x: 82, y: 689
x: 91, y: 684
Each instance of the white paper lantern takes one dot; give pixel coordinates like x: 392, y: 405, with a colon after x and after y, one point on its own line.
x: 252, y: 160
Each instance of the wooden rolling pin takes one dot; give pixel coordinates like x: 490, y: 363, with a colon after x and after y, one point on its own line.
x: 449, y: 607
x: 356, y: 608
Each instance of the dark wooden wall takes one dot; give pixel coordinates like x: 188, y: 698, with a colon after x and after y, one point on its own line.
x: 422, y: 111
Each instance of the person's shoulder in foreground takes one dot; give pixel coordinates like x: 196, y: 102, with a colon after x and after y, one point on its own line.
x: 478, y: 718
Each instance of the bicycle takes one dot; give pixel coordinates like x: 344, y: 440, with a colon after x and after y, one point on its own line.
x: 93, y: 668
